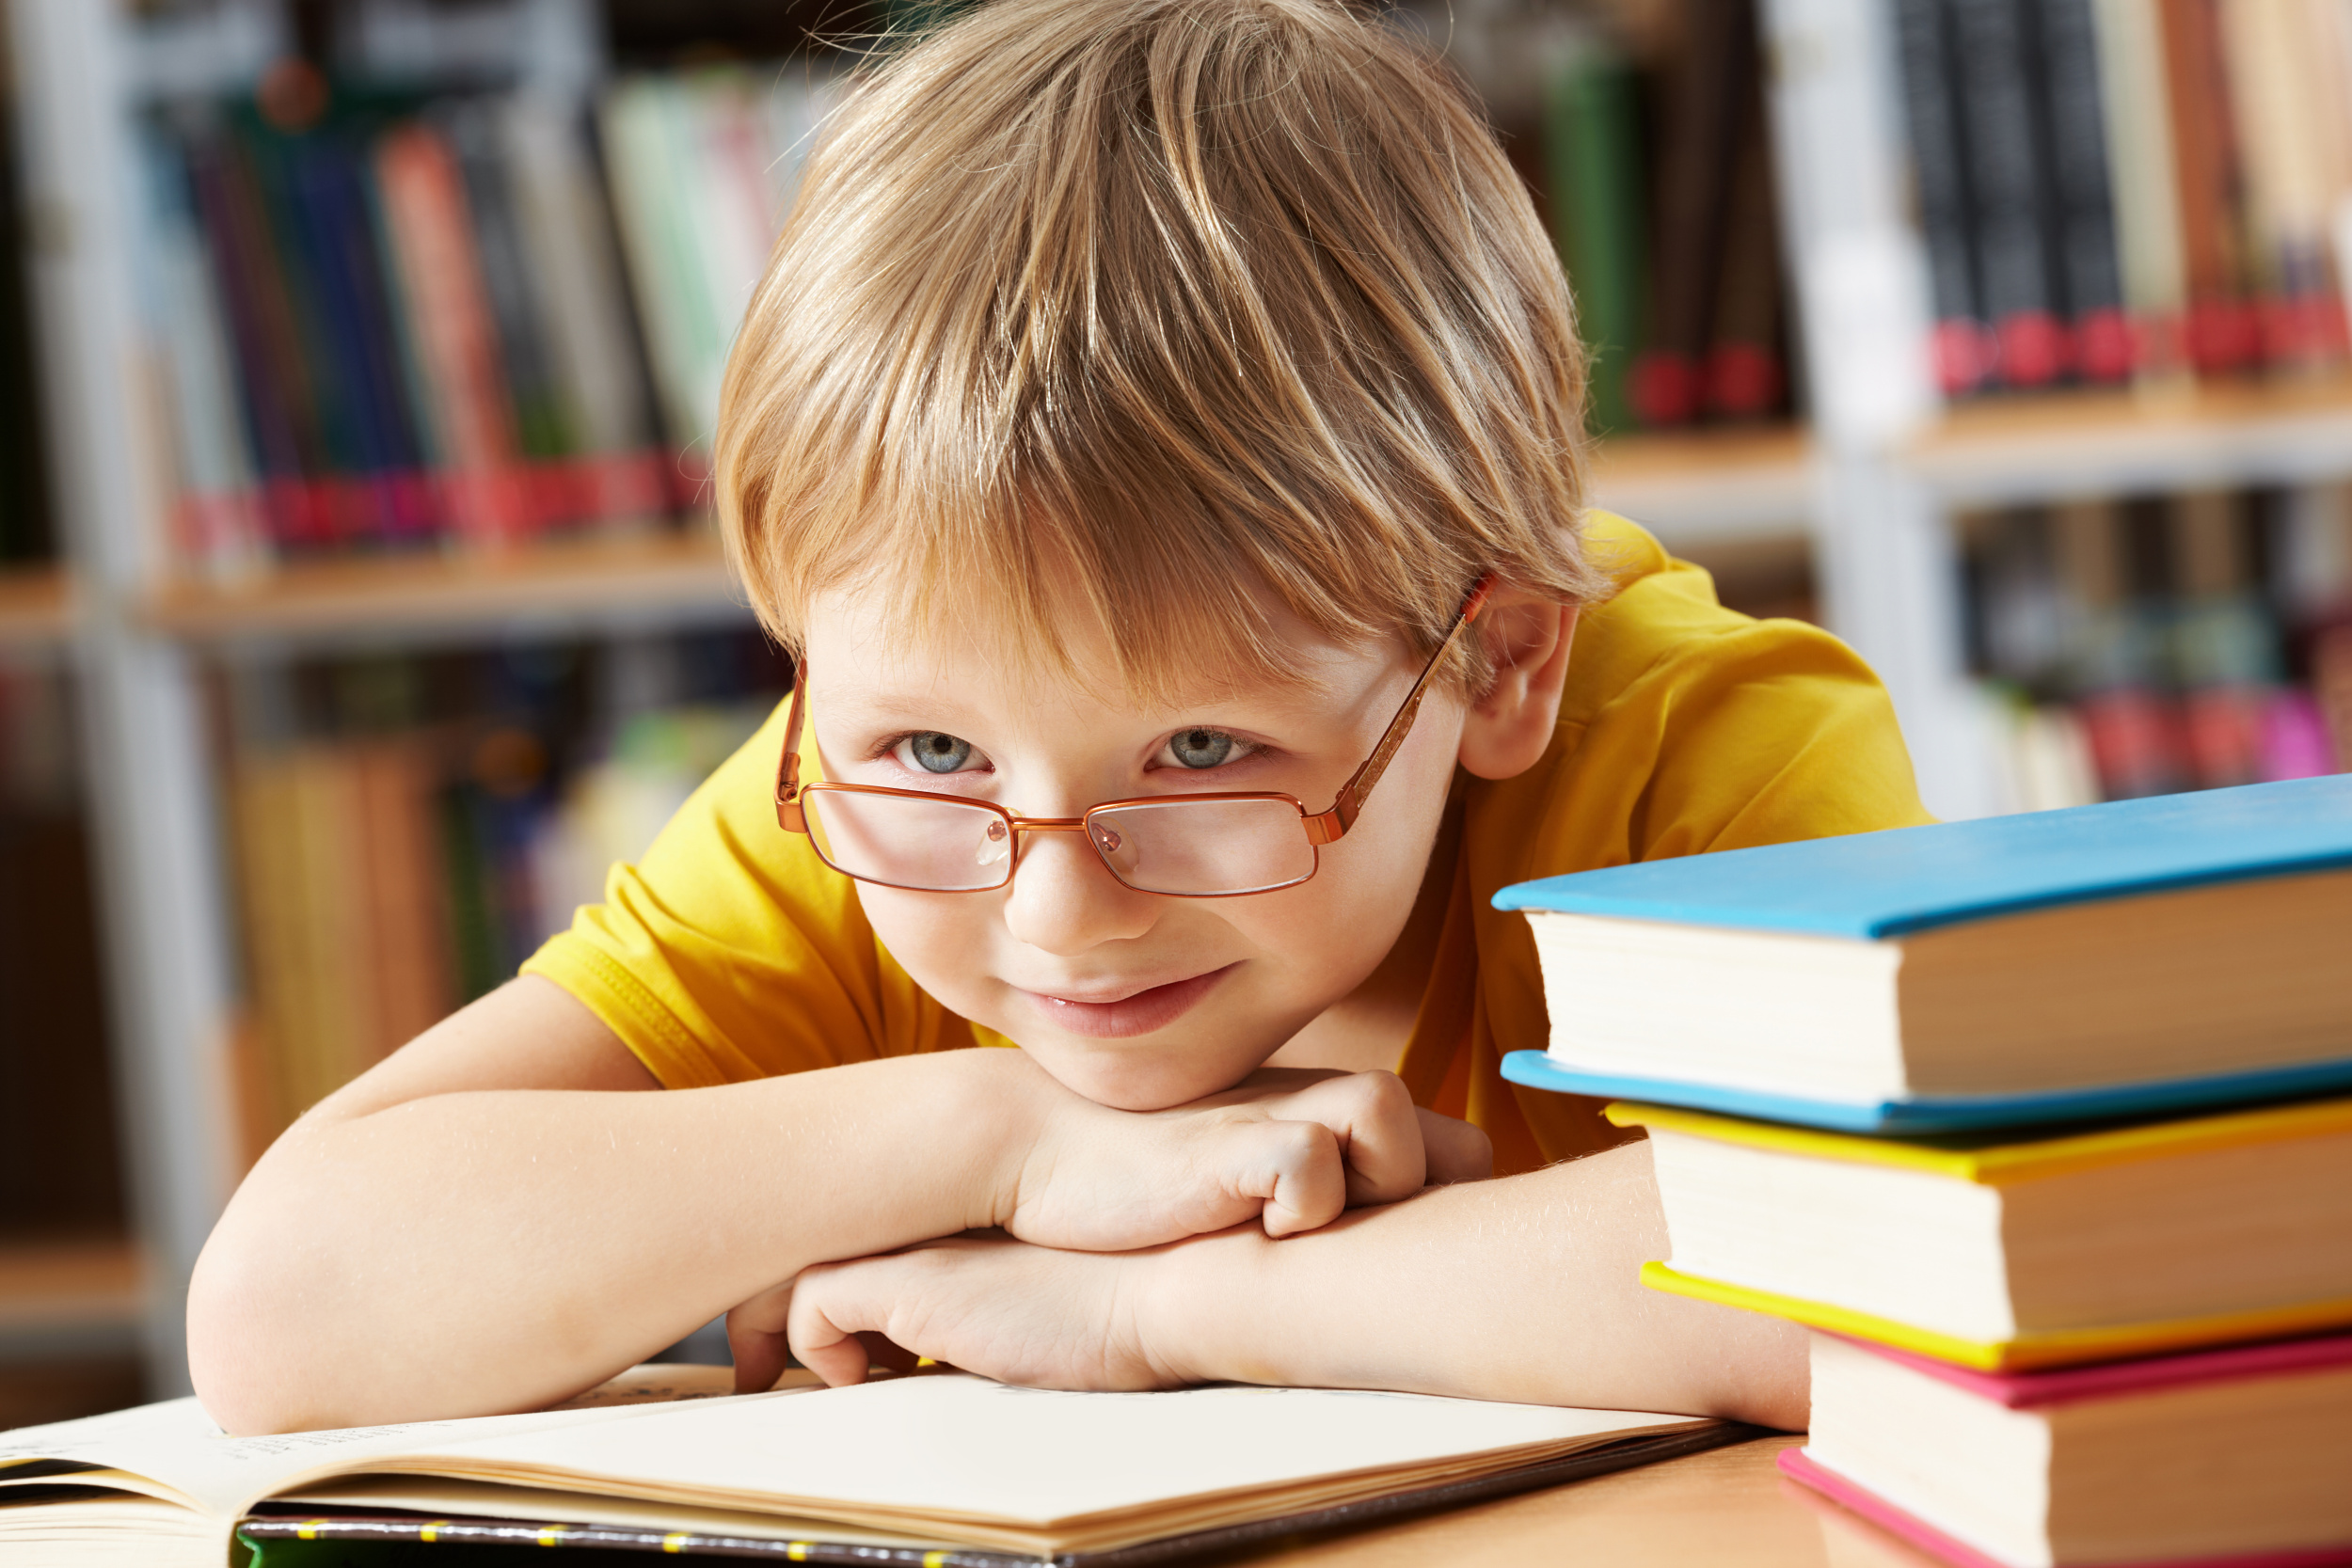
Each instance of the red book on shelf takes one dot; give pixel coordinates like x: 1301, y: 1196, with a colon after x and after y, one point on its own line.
x: 2136, y: 742
x: 439, y: 277
x: 2223, y: 332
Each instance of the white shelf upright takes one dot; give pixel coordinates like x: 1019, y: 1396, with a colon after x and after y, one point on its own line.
x: 1882, y: 548
x: 150, y: 780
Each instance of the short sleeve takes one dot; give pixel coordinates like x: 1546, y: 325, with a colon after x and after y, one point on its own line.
x: 1685, y: 728
x: 730, y: 952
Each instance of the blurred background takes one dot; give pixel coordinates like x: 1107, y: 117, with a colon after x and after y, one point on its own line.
x: 359, y: 602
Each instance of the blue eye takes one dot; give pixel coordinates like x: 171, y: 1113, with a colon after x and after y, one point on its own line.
x: 1201, y: 748
x: 935, y: 752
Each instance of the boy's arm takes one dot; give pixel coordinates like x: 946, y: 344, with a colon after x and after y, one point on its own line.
x: 488, y: 1221
x: 1520, y: 1288
x: 485, y: 1222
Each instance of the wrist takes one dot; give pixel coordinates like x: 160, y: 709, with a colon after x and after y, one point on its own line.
x: 1008, y: 1104
x: 1204, y: 1307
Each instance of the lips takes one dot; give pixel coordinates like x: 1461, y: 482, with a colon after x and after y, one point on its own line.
x: 1137, y: 1013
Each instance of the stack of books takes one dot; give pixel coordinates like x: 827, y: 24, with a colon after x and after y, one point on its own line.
x: 2042, y: 1124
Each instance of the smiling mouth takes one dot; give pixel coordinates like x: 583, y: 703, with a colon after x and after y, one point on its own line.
x: 1137, y: 1013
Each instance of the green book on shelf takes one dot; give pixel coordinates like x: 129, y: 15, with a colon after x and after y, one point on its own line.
x: 1592, y: 149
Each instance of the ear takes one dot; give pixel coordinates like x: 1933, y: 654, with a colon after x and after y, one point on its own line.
x: 1527, y: 638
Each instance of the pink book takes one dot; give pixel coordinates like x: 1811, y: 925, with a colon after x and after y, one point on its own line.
x: 2072, y: 1384
x: 1837, y: 1489
x: 2076, y: 1385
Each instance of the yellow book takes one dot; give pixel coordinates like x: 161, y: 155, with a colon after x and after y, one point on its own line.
x: 2009, y: 1255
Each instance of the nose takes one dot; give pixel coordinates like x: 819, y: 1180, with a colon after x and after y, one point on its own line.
x: 1064, y: 901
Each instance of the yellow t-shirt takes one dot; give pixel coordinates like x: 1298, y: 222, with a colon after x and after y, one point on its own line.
x: 731, y: 952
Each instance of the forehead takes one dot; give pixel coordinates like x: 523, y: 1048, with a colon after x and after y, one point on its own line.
x: 877, y: 645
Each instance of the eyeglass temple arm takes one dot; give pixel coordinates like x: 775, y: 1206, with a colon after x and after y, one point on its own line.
x: 789, y: 814
x: 1327, y: 826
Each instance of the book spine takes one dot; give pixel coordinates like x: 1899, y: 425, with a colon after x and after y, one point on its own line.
x: 2139, y: 130
x: 441, y: 285
x: 1593, y: 147
x: 380, y: 456
x: 2222, y: 335
x: 2004, y: 144
x: 2089, y: 268
x: 319, y: 318
x: 216, y: 523
x: 2291, y: 112
x: 270, y: 387
x: 1697, y: 155
x: 657, y: 241
x: 2224, y: 643
x: 1965, y: 350
x: 542, y: 427
x: 568, y: 240
x: 1745, y: 373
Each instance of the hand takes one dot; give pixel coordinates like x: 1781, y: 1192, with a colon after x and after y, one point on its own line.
x: 985, y: 1304
x: 1291, y: 1148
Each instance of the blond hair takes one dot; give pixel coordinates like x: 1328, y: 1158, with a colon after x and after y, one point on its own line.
x: 1171, y: 310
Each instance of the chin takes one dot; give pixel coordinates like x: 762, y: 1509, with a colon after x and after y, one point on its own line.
x: 1137, y: 1078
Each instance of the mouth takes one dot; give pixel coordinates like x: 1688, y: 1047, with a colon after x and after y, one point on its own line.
x: 1113, y: 1017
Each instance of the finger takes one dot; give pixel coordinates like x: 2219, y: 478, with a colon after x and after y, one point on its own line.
x: 1373, y: 1116
x: 828, y: 1312
x: 1457, y: 1150
x: 755, y: 1339
x: 1295, y: 1169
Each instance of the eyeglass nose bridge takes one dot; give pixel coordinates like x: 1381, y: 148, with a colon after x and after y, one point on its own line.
x: 1054, y: 825
x: 1104, y: 841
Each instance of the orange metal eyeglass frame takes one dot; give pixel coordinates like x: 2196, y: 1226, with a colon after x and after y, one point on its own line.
x: 1321, y: 826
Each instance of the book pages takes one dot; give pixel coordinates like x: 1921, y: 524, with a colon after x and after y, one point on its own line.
x: 1030, y: 1468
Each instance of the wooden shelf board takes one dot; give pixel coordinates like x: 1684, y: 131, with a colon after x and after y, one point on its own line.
x: 2064, y: 445
x: 1710, y: 485
x: 35, y: 605
x: 70, y: 1285
x: 626, y: 575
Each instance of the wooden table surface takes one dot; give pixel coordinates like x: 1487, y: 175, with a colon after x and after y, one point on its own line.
x: 1728, y: 1506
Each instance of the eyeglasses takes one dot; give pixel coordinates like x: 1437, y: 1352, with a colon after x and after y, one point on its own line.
x: 1205, y: 845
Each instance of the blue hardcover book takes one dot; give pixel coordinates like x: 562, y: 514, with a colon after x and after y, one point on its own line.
x: 2138, y: 957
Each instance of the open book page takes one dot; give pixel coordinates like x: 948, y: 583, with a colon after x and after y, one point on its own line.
x: 961, y: 1456
x: 185, y: 1458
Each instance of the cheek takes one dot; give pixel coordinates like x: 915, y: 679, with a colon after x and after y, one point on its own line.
x: 941, y: 940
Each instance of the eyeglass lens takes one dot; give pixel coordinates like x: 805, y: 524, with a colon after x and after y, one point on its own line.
x: 1181, y: 847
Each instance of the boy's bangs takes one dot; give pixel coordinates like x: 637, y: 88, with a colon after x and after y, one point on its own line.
x: 1197, y: 317
x: 1181, y: 606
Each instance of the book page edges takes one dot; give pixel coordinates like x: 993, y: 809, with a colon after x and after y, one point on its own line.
x: 1101, y: 1531
x: 2026, y: 1352
x: 2014, y: 1161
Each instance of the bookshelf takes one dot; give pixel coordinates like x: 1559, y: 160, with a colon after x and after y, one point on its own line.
x: 630, y: 582
x: 37, y: 608
x: 2185, y: 437
x: 70, y: 1298
x: 1709, y: 487
x: 1868, y: 486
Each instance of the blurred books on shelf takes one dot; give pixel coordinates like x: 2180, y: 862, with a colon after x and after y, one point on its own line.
x: 59, y: 1172
x: 1641, y: 130
x: 407, y: 830
x: 385, y: 320
x: 2155, y: 644
x: 2118, y: 188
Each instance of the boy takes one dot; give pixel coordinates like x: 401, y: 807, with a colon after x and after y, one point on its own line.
x: 1159, y: 434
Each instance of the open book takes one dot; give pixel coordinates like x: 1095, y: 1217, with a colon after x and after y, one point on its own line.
x: 948, y: 1463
